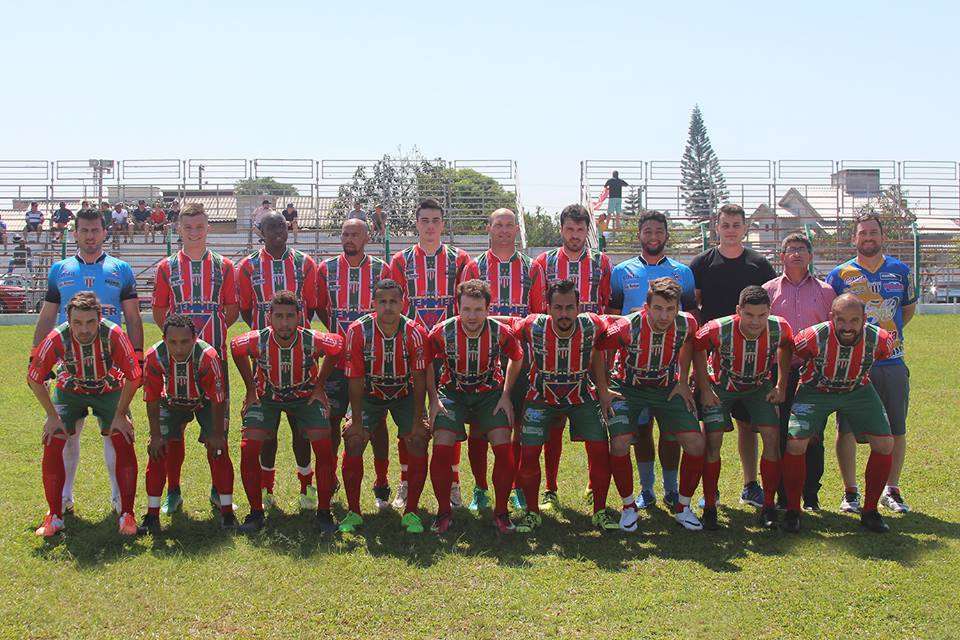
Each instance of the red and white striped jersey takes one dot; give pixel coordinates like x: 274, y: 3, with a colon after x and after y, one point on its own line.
x: 832, y: 367
x: 590, y: 273
x: 286, y: 373
x: 260, y: 276
x: 738, y: 363
x: 646, y: 357
x: 513, y: 282
x: 385, y: 362
x: 429, y: 282
x: 99, y: 367
x: 472, y: 365
x: 187, y: 383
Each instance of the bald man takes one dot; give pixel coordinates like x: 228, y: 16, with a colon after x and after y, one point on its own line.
x: 835, y: 378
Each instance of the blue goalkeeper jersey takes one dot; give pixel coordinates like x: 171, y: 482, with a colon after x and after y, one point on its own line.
x: 109, y: 278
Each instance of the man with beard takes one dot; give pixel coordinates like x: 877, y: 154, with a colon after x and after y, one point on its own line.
x: 883, y: 285
x: 837, y: 359
x: 629, y: 282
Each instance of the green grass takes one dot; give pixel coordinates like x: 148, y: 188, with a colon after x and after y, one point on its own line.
x: 833, y: 580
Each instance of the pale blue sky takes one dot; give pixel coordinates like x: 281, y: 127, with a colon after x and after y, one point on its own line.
x: 547, y: 84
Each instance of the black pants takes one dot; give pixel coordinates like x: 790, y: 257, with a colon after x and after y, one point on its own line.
x: 811, y: 484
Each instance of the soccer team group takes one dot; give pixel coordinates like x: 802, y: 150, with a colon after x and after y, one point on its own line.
x: 500, y: 350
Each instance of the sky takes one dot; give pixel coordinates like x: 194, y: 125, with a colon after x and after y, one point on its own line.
x: 545, y: 84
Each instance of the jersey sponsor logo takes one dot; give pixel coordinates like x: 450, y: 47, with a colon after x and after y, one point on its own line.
x: 893, y: 287
x: 112, y: 282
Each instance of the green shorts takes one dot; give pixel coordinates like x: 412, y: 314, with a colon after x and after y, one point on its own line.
x: 859, y: 411
x: 762, y: 413
x: 518, y: 394
x: 175, y: 418
x: 585, y: 422
x: 338, y: 391
x: 302, y: 414
x: 401, y: 409
x: 72, y: 407
x: 629, y: 413
x: 473, y: 408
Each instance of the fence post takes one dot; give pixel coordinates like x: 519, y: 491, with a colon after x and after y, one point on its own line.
x: 704, y: 235
x: 386, y: 239
x: 809, y: 233
x: 916, y: 261
x: 63, y: 244
x: 169, y: 234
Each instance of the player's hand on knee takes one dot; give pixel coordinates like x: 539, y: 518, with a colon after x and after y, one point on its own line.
x: 123, y: 425
x: 157, y: 447
x: 216, y: 445
x: 52, y: 427
x: 682, y: 389
x: 708, y: 397
x: 506, y: 406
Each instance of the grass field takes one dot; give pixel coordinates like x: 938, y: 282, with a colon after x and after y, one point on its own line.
x: 834, y: 580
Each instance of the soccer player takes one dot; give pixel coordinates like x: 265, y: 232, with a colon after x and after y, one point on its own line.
x: 182, y: 380
x: 200, y: 284
x: 655, y: 347
x: 837, y: 359
x: 629, y: 283
x: 590, y: 273
x: 286, y: 380
x: 883, y: 284
x: 472, y: 389
x: 428, y: 274
x: 277, y: 267
x: 512, y: 277
x: 115, y: 286
x: 743, y: 349
x: 345, y: 285
x: 386, y: 355
x: 564, y: 355
x: 100, y: 373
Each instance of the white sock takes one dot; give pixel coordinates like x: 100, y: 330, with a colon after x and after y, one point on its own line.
x: 110, y: 460
x: 71, y: 460
x: 305, y: 471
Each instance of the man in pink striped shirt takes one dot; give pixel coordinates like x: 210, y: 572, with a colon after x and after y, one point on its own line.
x: 804, y: 301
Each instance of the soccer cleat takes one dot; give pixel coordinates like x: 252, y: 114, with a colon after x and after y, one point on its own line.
x: 628, y: 519
x: 518, y: 502
x: 703, y: 503
x: 874, y: 522
x: 752, y: 494
x: 269, y: 502
x: 892, y: 500
x: 172, y: 502
x: 215, y: 500
x: 381, y: 497
x: 550, y: 501
x: 228, y: 521
x: 412, y: 523
x: 791, y: 522
x: 588, y: 496
x: 671, y: 498
x: 115, y: 504
x: 350, y: 522
x: 149, y: 524
x: 400, y: 502
x: 456, y: 498
x: 308, y: 500
x: 531, y: 520
x: 688, y: 519
x: 709, y: 519
x: 604, y: 521
x: 481, y: 500
x: 128, y: 525
x: 324, y: 522
x: 67, y: 506
x: 52, y: 525
x: 811, y: 503
x: 503, y: 524
x: 646, y: 499
x: 442, y: 523
x: 252, y: 523
x: 769, y: 518
x: 850, y: 502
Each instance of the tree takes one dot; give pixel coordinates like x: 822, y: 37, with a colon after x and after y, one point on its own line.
x: 266, y: 186
x: 632, y: 204
x: 542, y: 229
x: 702, y: 183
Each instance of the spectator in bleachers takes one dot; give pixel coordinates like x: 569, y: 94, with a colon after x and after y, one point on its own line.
x: 158, y: 221
x: 173, y: 218
x: 141, y: 219
x: 290, y: 215
x: 614, y: 188
x: 59, y: 221
x: 358, y: 212
x: 121, y: 223
x: 378, y: 220
x: 34, y: 221
x: 258, y: 213
x: 107, y: 214
x: 3, y: 233
x: 22, y: 255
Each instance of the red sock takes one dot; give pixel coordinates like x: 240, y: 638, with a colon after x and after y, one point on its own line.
x: 598, y: 463
x: 711, y: 478
x: 221, y: 472
x: 126, y: 471
x: 456, y: 463
x: 517, y: 459
x: 404, y: 459
x: 552, y: 451
x: 770, y: 476
x: 794, y: 472
x: 267, y: 478
x: 333, y: 466
x: 156, y: 477
x: 175, y: 456
x: 54, y: 475
x: 306, y: 479
x: 691, y: 468
x: 622, y: 474
x: 441, y: 475
x: 382, y: 467
x: 352, y: 472
x: 504, y: 470
x: 416, y: 478
x: 250, y: 472
x: 529, y: 475
x: 875, y: 478
x: 322, y: 455
x: 477, y: 452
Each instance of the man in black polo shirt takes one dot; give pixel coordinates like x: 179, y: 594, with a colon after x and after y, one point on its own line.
x: 141, y: 218
x: 59, y: 220
x: 720, y: 274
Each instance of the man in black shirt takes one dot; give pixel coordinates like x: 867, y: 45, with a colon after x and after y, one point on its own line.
x: 59, y: 220
x: 614, y: 187
x: 290, y: 215
x: 720, y: 274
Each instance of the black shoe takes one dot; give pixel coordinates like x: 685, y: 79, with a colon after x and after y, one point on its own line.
x: 324, y: 522
x: 811, y: 503
x: 791, y: 522
x: 149, y: 524
x: 873, y: 521
x: 768, y: 517
x: 382, y: 494
x: 229, y: 521
x: 709, y: 519
x: 252, y: 523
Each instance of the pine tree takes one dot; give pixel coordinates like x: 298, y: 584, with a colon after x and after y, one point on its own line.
x: 702, y: 182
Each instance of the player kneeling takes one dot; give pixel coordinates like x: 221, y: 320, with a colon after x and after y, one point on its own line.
x: 655, y: 348
x: 99, y: 373
x: 183, y: 380
x: 835, y: 377
x: 287, y: 380
x: 472, y: 390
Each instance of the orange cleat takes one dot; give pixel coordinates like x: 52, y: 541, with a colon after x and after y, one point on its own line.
x: 52, y: 525
x: 128, y: 525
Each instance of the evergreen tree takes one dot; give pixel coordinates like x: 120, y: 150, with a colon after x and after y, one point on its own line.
x: 702, y: 182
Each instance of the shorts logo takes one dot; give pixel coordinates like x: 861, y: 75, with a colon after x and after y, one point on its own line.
x: 801, y: 409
